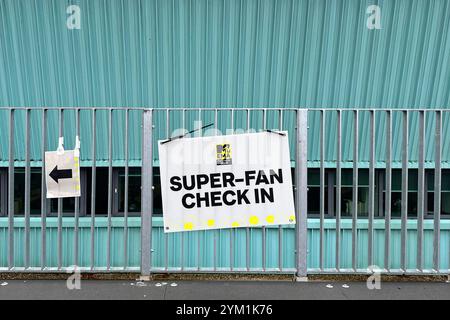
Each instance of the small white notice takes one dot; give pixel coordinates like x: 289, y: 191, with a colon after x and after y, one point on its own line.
x: 62, y: 174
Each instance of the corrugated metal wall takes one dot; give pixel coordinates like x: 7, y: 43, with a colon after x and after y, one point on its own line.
x: 203, y: 256
x: 225, y: 53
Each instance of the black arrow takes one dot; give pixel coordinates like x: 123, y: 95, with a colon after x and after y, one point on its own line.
x: 60, y: 174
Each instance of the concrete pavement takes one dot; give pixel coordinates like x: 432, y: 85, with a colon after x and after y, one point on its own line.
x: 219, y: 290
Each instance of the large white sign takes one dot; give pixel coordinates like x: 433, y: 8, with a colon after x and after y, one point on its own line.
x: 226, y: 181
x: 62, y: 173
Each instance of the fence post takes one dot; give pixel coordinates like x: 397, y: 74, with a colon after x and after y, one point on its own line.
x: 301, y: 199
x: 147, y: 194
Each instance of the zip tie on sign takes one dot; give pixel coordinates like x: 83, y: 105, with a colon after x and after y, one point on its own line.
x: 277, y: 132
x: 60, y: 149
x: 77, y: 146
x: 183, y: 135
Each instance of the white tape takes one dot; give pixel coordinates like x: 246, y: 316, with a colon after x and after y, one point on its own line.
x: 60, y: 149
x: 77, y: 146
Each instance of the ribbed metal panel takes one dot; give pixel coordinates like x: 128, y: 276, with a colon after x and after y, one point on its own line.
x: 192, y: 260
x: 225, y: 53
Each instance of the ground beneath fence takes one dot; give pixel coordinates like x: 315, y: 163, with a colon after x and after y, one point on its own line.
x: 220, y: 290
x: 219, y: 277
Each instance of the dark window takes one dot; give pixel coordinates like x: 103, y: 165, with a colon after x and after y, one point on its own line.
x: 314, y: 200
x: 19, y: 191
x: 445, y: 204
x: 347, y: 192
x: 157, y: 199
x: 68, y: 206
x: 445, y: 193
x: 396, y: 195
x: 396, y: 207
x: 101, y: 191
x: 3, y: 192
x: 347, y: 202
x: 314, y: 192
x: 134, y: 195
x: 134, y: 190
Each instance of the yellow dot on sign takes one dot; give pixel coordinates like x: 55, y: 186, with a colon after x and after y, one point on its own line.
x: 211, y: 222
x: 188, y: 226
x: 235, y: 224
x: 254, y: 220
x: 292, y: 219
x: 270, y: 219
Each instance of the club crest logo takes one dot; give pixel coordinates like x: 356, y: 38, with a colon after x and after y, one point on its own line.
x: 223, y: 154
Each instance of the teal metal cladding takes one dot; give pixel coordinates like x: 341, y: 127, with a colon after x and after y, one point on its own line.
x: 225, y: 53
x: 222, y: 53
x: 193, y: 258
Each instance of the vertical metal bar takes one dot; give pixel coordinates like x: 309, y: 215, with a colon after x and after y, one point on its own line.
x: 200, y: 133
x: 264, y: 228
x: 11, y: 191
x: 110, y: 189
x: 167, y: 123
x: 388, y: 182
x: 379, y: 192
x: 77, y: 199
x: 216, y: 232
x: 125, y: 209
x: 147, y: 194
x: 330, y: 194
x: 60, y: 200
x: 93, y: 186
x: 355, y: 191
x: 322, y: 189
x: 184, y: 119
x: 371, y: 187
x: 182, y: 234
x: 280, y: 228
x: 247, y: 229
x: 338, y: 192
x: 27, y: 188
x: 168, y: 136
x: 437, y: 191
x: 3, y: 189
x: 301, y: 191
x: 404, y: 207
x: 421, y: 190
x: 43, y: 191
x: 233, y: 231
x: 166, y: 236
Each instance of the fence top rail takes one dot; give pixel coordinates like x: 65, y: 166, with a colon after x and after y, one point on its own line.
x: 230, y: 109
x: 74, y: 108
x: 382, y: 109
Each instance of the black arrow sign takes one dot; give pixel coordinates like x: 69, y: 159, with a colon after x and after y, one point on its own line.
x: 60, y: 174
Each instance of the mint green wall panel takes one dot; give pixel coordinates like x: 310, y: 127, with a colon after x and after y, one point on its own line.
x: 379, y: 234
x: 117, y: 251
x: 198, y: 253
x: 223, y: 53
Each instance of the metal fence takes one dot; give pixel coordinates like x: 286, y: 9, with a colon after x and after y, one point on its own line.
x: 239, y: 244
x: 47, y: 125
x: 377, y: 137
x: 127, y: 137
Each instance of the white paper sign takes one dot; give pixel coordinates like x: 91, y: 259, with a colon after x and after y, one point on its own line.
x: 226, y: 181
x: 62, y: 174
